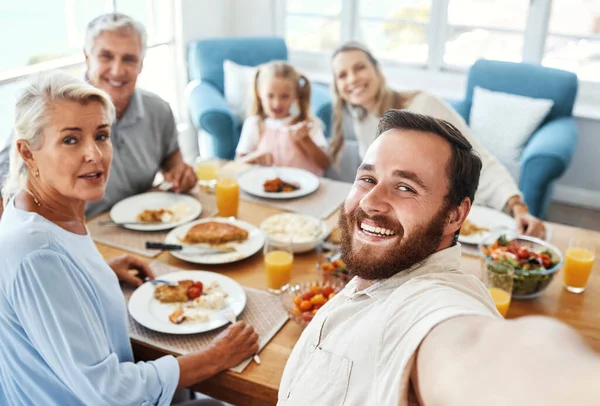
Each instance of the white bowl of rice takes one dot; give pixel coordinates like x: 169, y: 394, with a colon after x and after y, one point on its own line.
x: 303, y: 232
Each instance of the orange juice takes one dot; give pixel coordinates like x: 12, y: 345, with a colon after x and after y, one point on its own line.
x: 577, y: 268
x: 228, y: 197
x: 206, y: 169
x: 206, y: 172
x: 501, y: 299
x: 278, y: 265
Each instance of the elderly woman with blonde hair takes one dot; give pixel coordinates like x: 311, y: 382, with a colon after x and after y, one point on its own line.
x: 63, y: 322
x: 361, y: 96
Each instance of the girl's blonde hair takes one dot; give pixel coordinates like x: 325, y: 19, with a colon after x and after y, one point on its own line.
x: 386, y: 99
x: 279, y: 69
x: 31, y: 117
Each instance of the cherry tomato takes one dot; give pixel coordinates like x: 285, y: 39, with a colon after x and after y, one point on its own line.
x: 331, y: 295
x: 297, y: 300
x: 318, y: 300
x: 306, y: 305
x: 296, y: 310
x: 307, y: 296
x: 307, y: 316
x: 315, y: 289
x: 193, y: 292
x: 523, y: 253
x: 327, y: 290
x: 199, y: 285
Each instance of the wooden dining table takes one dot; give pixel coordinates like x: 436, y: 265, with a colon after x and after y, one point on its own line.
x: 258, y: 384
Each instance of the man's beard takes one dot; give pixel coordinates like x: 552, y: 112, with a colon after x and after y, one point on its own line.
x: 400, y: 257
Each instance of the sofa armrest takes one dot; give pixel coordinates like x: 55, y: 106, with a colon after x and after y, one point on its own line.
x: 462, y: 108
x: 320, y: 103
x: 545, y: 158
x: 209, y: 111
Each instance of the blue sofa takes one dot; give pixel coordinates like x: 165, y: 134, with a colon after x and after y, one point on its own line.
x: 548, y: 152
x: 207, y: 106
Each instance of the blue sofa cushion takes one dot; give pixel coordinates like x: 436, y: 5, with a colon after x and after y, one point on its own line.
x: 205, y: 58
x: 526, y: 80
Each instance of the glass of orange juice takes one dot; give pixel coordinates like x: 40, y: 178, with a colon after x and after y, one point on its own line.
x: 227, y: 192
x: 206, y: 171
x: 279, y: 257
x: 499, y: 281
x: 579, y: 260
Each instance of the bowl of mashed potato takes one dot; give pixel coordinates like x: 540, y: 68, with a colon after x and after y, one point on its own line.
x: 302, y: 232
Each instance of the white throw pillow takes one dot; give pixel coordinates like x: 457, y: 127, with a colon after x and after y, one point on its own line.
x: 503, y: 122
x: 238, y: 86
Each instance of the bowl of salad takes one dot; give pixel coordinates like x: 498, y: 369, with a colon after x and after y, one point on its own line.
x: 535, y: 261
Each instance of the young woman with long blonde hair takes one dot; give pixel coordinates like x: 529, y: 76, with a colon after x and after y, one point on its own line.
x: 361, y: 96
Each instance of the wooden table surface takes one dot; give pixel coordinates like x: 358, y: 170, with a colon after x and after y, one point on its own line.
x: 258, y: 384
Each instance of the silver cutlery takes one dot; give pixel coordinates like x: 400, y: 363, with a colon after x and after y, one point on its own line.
x: 229, y: 315
x: 123, y: 223
x: 187, y: 250
x: 161, y: 282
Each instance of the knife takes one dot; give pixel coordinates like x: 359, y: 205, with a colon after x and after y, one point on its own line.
x: 125, y: 223
x: 186, y: 250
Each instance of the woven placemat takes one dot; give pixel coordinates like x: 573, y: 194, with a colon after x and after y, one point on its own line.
x: 135, y: 241
x: 322, y: 203
x: 263, y: 311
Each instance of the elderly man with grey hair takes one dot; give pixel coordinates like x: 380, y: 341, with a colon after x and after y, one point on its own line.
x: 144, y: 135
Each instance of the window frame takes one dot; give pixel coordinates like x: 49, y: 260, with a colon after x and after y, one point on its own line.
x: 535, y: 35
x: 10, y: 76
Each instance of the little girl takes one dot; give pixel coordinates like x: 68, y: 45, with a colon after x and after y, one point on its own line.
x: 272, y: 133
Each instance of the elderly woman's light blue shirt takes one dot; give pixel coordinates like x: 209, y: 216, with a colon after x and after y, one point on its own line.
x: 63, y: 323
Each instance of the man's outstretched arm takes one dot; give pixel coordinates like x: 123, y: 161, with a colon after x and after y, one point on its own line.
x: 529, y: 361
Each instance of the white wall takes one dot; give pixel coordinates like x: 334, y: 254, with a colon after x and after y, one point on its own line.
x: 580, y: 185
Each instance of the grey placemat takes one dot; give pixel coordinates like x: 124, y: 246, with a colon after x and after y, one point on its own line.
x: 135, y: 241
x: 322, y: 203
x: 263, y: 311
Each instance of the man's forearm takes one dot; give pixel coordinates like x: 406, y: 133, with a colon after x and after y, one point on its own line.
x: 176, y: 158
x: 530, y: 361
x: 197, y: 367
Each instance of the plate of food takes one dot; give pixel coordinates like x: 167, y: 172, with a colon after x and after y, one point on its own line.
x: 155, y: 211
x: 482, y: 221
x: 237, y: 239
x: 303, y: 232
x: 278, y: 182
x: 194, y: 305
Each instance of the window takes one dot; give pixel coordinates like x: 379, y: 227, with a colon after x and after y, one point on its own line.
x: 573, y: 41
x: 63, y: 24
x: 396, y: 29
x: 491, y: 29
x: 313, y: 24
x: 452, y: 34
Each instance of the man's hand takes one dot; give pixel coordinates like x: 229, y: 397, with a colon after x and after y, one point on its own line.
x: 182, y: 176
x: 124, y: 263
x: 236, y: 343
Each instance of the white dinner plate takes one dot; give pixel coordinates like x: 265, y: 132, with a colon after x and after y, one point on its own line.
x: 252, y: 181
x: 186, y: 209
x: 491, y: 219
x: 152, y: 314
x: 243, y: 249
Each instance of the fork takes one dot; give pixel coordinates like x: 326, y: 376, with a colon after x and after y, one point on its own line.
x: 165, y: 186
x: 161, y: 282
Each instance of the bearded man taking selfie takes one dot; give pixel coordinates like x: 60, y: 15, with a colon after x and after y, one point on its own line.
x: 410, y: 328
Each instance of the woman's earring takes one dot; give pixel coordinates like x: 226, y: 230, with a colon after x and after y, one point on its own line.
x: 37, y: 173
